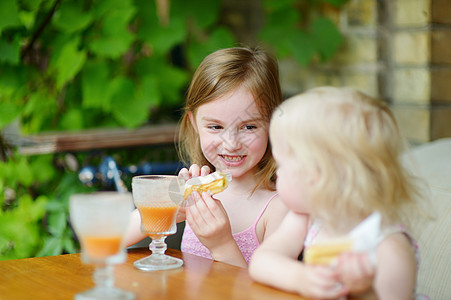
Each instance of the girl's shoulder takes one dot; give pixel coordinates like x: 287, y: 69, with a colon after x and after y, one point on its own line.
x: 275, y: 205
x: 274, y: 213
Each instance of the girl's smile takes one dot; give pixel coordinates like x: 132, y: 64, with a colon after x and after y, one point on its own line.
x: 233, y: 160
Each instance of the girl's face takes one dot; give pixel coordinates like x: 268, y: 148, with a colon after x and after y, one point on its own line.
x: 233, y: 134
x: 292, y: 184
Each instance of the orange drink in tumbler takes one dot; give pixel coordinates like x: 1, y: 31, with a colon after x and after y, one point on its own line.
x: 101, y: 246
x: 157, y: 198
x: 157, y: 219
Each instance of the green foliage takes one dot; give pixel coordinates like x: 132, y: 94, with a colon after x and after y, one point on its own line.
x: 77, y: 64
x: 307, y: 33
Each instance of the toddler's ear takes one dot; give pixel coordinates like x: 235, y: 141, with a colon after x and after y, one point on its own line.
x: 192, y: 120
x: 315, y: 176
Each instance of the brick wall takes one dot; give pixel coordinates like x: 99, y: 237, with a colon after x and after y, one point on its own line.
x: 397, y: 50
x: 420, y: 68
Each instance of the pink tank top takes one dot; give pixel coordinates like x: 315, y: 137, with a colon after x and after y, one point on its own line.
x: 246, y: 240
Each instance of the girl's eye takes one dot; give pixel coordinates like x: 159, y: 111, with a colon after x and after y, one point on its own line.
x: 214, y: 127
x: 249, y: 127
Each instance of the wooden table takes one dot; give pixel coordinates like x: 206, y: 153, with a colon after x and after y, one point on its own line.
x: 63, y: 276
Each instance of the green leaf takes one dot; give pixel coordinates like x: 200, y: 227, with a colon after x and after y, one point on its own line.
x: 27, y: 18
x: 163, y: 38
x: 326, y: 36
x: 12, y: 79
x: 23, y: 173
x: 10, y: 51
x: 19, y: 230
x: 117, y: 21
x: 30, y: 210
x: 112, y: 46
x: 271, y: 5
x: 72, y: 120
x: 103, y: 7
x: 302, y: 48
x: 70, y: 17
x: 52, y: 246
x: 114, y: 38
x: 31, y: 5
x: 9, y: 14
x: 128, y: 110
x: 69, y: 61
x: 38, y: 109
x: 202, y: 13
x: 172, y: 81
x: 281, y: 26
x: 56, y: 223
x: 8, y: 112
x: 336, y: 3
x: 43, y: 168
x: 68, y: 242
x: 149, y: 92
x: 93, y: 82
x: 219, y: 38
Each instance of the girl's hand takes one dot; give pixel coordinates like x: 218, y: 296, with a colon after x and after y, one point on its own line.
x: 321, y: 282
x: 194, y: 171
x: 209, y: 221
x: 356, y: 272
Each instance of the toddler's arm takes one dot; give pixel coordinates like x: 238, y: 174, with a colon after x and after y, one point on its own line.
x: 275, y: 263
x: 394, y: 274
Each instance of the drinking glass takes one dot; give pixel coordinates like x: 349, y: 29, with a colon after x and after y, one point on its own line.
x: 158, y: 198
x: 100, y: 221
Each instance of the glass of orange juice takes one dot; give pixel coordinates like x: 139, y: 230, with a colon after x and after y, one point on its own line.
x: 157, y: 198
x: 100, y: 221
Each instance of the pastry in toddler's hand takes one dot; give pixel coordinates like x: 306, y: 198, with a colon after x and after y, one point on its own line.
x: 326, y: 252
x: 212, y: 183
x: 364, y: 237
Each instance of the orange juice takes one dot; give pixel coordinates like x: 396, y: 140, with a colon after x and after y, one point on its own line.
x: 101, y: 246
x: 157, y: 219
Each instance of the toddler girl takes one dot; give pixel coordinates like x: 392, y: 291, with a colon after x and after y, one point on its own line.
x: 338, y: 156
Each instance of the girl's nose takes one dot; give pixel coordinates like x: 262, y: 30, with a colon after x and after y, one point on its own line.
x: 231, y: 140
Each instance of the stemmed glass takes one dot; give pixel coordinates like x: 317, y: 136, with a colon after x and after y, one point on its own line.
x: 157, y: 198
x: 100, y: 221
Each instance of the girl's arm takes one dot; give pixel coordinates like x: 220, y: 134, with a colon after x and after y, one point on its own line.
x: 275, y: 263
x: 274, y: 215
x: 134, y: 234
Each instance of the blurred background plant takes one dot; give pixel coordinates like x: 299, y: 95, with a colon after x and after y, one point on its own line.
x: 76, y: 64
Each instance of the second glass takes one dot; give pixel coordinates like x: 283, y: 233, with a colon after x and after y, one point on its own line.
x: 157, y: 197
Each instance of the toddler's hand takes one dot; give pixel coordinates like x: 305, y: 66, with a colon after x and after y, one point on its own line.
x: 356, y: 272
x: 321, y: 282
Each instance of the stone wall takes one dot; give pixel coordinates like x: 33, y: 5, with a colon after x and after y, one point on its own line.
x: 397, y: 50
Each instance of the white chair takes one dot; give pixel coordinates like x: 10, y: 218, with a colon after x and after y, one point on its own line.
x: 433, y: 163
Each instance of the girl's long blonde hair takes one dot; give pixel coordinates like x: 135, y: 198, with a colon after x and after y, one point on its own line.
x: 353, y: 143
x: 219, y: 74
